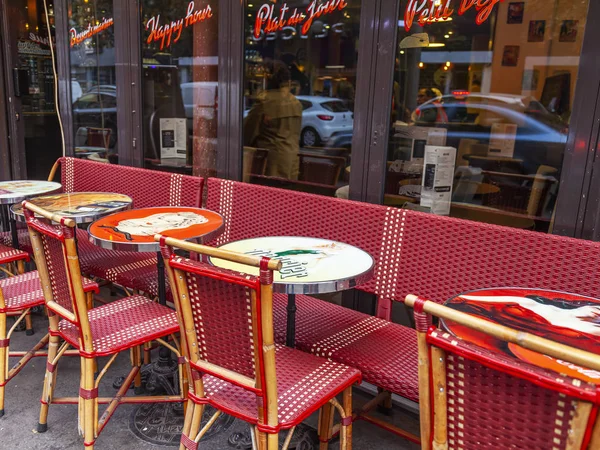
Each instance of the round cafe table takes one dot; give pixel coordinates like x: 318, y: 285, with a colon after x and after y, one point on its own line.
x: 310, y: 266
x: 12, y: 192
x: 569, y: 319
x: 82, y: 207
x: 134, y: 231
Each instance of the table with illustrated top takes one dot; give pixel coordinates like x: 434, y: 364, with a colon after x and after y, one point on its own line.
x: 310, y: 266
x: 569, y: 319
x: 12, y: 192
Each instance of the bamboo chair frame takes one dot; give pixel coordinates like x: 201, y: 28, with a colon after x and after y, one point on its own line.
x: 90, y: 424
x: 265, y: 435
x: 7, y: 373
x: 432, y: 371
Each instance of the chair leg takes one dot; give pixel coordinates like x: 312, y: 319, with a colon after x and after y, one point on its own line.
x: 261, y: 440
x: 136, y: 362
x: 194, y: 411
x: 49, y: 382
x: 28, y: 324
x: 3, y: 360
x: 187, y: 421
x: 147, y: 356
x: 89, y: 296
x: 347, y: 405
x: 90, y: 418
x: 273, y: 441
x: 325, y: 425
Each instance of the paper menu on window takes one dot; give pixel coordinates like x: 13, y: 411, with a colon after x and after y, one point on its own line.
x: 173, y: 138
x: 438, y: 177
x: 420, y: 137
x: 502, y: 140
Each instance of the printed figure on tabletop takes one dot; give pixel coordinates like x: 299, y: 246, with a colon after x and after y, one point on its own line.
x: 158, y: 223
x: 301, y: 262
x: 569, y: 319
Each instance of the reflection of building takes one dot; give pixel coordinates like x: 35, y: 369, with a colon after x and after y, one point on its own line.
x: 322, y: 61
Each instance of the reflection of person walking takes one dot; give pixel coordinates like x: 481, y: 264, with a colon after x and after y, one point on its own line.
x: 275, y: 122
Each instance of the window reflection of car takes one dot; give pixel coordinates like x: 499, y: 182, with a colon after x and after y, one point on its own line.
x: 97, y: 108
x: 322, y: 119
x: 541, y: 135
x: 325, y: 121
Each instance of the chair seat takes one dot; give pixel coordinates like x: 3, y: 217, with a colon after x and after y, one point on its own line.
x: 25, y: 291
x: 386, y: 353
x: 9, y: 254
x: 23, y: 236
x: 123, y: 324
x: 304, y: 384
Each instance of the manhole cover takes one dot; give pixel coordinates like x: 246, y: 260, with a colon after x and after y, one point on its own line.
x: 161, y: 423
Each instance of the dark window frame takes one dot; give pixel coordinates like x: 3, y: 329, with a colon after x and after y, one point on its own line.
x: 580, y: 174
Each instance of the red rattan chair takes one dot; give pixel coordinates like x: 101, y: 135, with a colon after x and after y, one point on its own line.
x: 227, y: 329
x: 384, y: 352
x: 473, y: 398
x: 18, y: 294
x: 125, y: 324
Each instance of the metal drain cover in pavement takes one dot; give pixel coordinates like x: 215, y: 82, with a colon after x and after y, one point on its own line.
x: 161, y: 424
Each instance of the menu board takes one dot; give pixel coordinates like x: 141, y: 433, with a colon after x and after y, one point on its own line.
x: 173, y: 138
x: 438, y: 177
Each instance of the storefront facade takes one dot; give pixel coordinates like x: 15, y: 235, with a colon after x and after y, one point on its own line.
x: 344, y: 98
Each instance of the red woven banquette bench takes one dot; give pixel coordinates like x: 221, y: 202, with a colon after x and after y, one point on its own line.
x: 433, y: 256
x: 147, y: 188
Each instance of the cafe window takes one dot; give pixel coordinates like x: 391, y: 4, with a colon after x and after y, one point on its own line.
x: 180, y: 85
x: 481, y: 106
x: 93, y: 79
x: 33, y: 83
x: 299, y: 89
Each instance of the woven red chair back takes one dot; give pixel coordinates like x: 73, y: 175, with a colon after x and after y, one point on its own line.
x: 225, y: 323
x: 496, y: 402
x: 441, y: 257
x: 147, y: 188
x: 55, y: 257
x: 372, y: 228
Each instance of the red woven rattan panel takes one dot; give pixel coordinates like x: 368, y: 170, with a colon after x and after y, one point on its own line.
x: 57, y: 269
x: 23, y: 235
x: 146, y: 187
x: 490, y: 409
x: 124, y: 324
x: 303, y: 383
x: 372, y: 228
x: 442, y: 257
x: 222, y: 312
x: 9, y: 254
x: 385, y: 353
x: 25, y: 291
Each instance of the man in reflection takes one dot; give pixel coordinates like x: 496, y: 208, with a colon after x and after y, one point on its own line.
x: 429, y: 111
x: 274, y: 123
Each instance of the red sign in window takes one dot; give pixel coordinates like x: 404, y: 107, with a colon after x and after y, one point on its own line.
x: 269, y: 22
x: 171, y: 32
x: 431, y: 11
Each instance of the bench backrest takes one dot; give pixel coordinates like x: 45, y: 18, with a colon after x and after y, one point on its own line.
x: 372, y: 228
x: 436, y: 257
x: 441, y: 257
x: 146, y: 187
